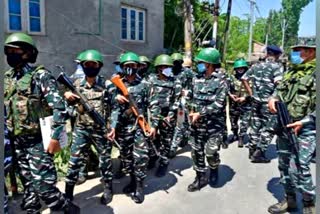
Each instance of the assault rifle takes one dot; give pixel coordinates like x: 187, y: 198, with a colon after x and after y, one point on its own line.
x: 285, y: 119
x: 97, y: 118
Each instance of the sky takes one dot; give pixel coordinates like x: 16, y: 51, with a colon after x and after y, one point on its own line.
x: 307, y: 20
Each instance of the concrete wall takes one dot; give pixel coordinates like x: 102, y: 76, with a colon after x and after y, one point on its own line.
x: 70, y: 23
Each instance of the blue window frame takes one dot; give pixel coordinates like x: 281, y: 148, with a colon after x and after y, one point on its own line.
x: 14, y: 11
x: 132, y: 24
x: 34, y: 16
x: 123, y: 23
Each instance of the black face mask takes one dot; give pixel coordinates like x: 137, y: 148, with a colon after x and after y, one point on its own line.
x: 14, y: 60
x: 238, y: 75
x: 143, y: 71
x: 130, y: 71
x: 176, y: 68
x: 91, y: 72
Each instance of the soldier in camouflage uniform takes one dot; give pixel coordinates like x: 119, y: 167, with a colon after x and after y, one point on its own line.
x: 298, y: 91
x: 32, y: 93
x: 86, y: 130
x: 144, y: 66
x: 130, y: 136
x: 207, y: 102
x: 184, y: 75
x: 239, y: 107
x: 167, y: 91
x: 7, y: 162
x: 264, y: 78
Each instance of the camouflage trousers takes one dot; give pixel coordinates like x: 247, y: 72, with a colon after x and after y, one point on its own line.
x: 181, y: 133
x: 82, y: 140
x: 134, y: 151
x: 242, y: 113
x: 206, y: 137
x: 292, y: 177
x: 163, y: 143
x: 261, y: 124
x: 39, y: 175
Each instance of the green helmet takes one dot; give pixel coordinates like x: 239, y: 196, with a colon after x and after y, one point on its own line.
x: 117, y: 61
x: 91, y: 55
x: 163, y: 59
x: 240, y: 63
x: 144, y: 59
x: 129, y: 57
x: 177, y: 57
x: 209, y: 55
x: 79, y: 57
x: 22, y: 39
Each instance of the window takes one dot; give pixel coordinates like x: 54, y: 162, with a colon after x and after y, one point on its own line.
x: 25, y: 16
x: 132, y: 24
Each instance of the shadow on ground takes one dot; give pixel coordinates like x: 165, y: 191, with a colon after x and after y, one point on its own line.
x: 226, y: 174
x: 277, y: 191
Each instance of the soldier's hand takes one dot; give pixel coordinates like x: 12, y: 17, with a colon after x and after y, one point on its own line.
x: 153, y: 132
x: 71, y: 96
x: 272, y: 105
x: 233, y: 97
x: 121, y: 99
x: 194, y: 117
x: 296, y: 126
x: 54, y: 146
x: 111, y: 135
x: 241, y: 99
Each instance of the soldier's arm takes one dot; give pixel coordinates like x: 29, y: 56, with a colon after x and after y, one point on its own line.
x: 153, y: 105
x: 219, y: 99
x: 278, y: 74
x: 309, y: 119
x: 50, y: 92
x: 245, y: 80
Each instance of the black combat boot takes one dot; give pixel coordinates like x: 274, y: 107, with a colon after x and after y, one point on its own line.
x: 152, y: 162
x: 107, y: 195
x: 138, y: 195
x: 308, y: 207
x: 82, y: 179
x: 71, y: 208
x: 251, y: 151
x: 200, y: 181
x: 214, y: 176
x: 289, y: 204
x: 259, y: 157
x: 162, y: 170
x: 69, y: 191
x: 131, y: 186
x: 172, y: 153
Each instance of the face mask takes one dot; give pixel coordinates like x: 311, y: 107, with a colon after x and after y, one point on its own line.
x: 296, y: 57
x: 118, y: 69
x: 14, y: 60
x: 167, y: 72
x: 239, y: 73
x: 177, y: 68
x: 130, y: 71
x: 201, y: 68
x: 91, y: 72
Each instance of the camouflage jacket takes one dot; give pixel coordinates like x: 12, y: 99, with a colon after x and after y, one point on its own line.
x: 140, y: 94
x: 264, y: 77
x: 236, y: 87
x: 208, y: 95
x: 185, y: 78
x: 99, y: 98
x: 29, y: 95
x: 167, y: 93
x: 298, y: 90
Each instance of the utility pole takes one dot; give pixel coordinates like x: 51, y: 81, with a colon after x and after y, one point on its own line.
x: 187, y: 28
x: 215, y: 22
x: 226, y: 31
x: 269, y: 20
x: 252, y: 3
x: 283, y: 26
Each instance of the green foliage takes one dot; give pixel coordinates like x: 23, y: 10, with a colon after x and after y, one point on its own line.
x: 61, y: 159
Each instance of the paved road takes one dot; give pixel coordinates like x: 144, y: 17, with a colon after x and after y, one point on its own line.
x: 243, y: 188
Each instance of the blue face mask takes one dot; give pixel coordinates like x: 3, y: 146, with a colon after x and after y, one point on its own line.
x: 201, y: 67
x: 118, y: 69
x: 296, y: 57
x: 167, y: 72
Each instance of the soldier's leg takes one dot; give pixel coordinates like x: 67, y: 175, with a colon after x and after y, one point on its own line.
x: 44, y: 177
x: 83, y: 172
x: 80, y: 143
x: 244, y: 122
x: 104, y: 148
x: 30, y: 201
x: 300, y: 173
x: 166, y: 133
x: 177, y: 139
x: 255, y: 126
x: 141, y: 158
x: 197, y: 139
x: 125, y: 139
x: 284, y: 154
